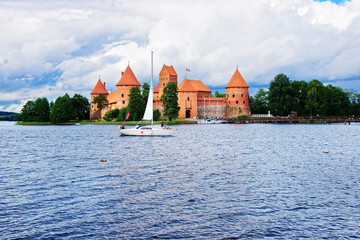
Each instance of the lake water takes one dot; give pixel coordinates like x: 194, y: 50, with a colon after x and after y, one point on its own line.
x: 206, y: 182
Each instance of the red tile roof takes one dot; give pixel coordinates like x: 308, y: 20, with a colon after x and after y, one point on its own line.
x: 188, y: 85
x: 170, y: 70
x: 99, y: 88
x: 128, y: 78
x: 113, y: 97
x: 156, y: 89
x: 237, y: 80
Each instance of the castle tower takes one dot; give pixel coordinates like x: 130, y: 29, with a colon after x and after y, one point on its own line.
x: 237, y: 96
x: 98, y: 89
x: 167, y: 74
x: 120, y: 97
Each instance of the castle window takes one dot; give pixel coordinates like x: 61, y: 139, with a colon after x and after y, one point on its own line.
x: 123, y: 102
x: 242, y: 95
x: 188, y: 99
x: 237, y: 102
x: 233, y: 95
x: 164, y: 84
x: 122, y: 95
x: 243, y: 102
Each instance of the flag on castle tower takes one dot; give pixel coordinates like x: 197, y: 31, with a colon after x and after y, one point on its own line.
x: 188, y: 70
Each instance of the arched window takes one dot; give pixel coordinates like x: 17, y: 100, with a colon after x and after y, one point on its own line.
x: 233, y: 95
x: 237, y: 102
x: 188, y: 99
x: 123, y: 102
x: 242, y: 95
x: 122, y: 95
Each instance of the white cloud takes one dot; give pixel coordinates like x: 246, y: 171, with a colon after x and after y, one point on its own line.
x: 85, y: 39
x: 16, y: 107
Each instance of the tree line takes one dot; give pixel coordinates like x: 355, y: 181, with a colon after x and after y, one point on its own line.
x: 306, y: 98
x: 63, y: 110
x: 135, y: 109
x: 7, y: 116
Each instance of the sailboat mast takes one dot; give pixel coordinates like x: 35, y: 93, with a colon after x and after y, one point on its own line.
x: 151, y: 83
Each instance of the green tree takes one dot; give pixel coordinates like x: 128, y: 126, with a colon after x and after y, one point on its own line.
x: 354, y: 98
x: 259, y: 103
x: 314, y: 99
x: 62, y: 110
x: 169, y: 98
x: 27, y: 113
x: 111, y: 115
x: 280, y: 95
x: 122, y: 114
x: 217, y: 94
x: 299, y: 91
x: 81, y: 107
x: 136, y: 106
x: 108, y: 116
x: 41, y: 110
x: 156, y: 114
x: 101, y: 101
x: 336, y: 102
x: 145, y: 92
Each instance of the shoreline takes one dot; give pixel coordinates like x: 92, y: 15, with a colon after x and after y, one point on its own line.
x: 176, y: 122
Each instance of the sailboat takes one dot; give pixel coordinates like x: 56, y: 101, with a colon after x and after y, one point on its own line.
x: 148, y: 130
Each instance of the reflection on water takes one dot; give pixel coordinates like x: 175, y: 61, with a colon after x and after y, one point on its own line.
x: 207, y: 182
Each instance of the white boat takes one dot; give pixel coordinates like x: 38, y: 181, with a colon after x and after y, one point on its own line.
x: 148, y: 130
x: 207, y: 121
x: 220, y: 121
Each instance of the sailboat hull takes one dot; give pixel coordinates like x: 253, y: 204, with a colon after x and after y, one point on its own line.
x: 147, y: 131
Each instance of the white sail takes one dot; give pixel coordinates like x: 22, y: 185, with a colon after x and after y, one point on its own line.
x: 148, y: 115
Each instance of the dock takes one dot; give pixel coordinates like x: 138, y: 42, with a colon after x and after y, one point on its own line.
x: 294, y: 120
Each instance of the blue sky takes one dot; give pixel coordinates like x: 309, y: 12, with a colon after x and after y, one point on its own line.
x: 49, y: 48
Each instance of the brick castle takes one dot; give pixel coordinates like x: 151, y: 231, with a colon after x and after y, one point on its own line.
x: 194, y: 97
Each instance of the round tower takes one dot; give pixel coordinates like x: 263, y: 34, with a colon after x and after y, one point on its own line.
x: 126, y: 82
x: 98, y: 89
x: 237, y: 96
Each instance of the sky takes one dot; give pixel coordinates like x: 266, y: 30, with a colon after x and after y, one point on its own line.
x: 49, y: 48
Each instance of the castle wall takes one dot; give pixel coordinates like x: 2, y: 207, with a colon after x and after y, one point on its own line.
x: 212, y: 111
x: 234, y: 111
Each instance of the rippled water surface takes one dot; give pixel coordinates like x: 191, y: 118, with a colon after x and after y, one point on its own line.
x: 206, y: 182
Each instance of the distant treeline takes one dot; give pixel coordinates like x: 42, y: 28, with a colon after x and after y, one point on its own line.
x: 63, y: 110
x: 306, y: 98
x: 7, y: 116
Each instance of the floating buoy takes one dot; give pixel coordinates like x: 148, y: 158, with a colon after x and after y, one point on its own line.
x: 103, y: 160
x: 325, y: 151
